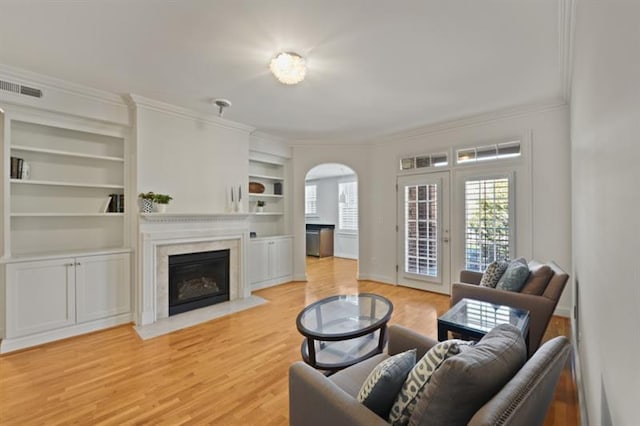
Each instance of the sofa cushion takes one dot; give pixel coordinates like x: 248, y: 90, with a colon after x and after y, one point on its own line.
x: 465, y: 382
x: 380, y: 389
x: 492, y: 274
x: 418, y: 377
x: 538, y: 279
x: 515, y: 276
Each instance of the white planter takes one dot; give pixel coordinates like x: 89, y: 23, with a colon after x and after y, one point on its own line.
x: 159, y: 208
x: 259, y: 209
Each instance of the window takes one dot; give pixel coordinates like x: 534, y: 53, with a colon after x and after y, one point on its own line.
x: 487, y: 221
x: 348, y: 206
x: 421, y: 228
x: 310, y: 206
x: 423, y: 161
x: 489, y: 152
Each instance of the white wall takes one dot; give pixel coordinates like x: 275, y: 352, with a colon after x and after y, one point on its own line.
x: 543, y: 197
x: 345, y: 244
x: 605, y: 127
x: 195, y: 161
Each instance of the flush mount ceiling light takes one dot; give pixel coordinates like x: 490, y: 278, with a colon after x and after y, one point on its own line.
x: 288, y: 67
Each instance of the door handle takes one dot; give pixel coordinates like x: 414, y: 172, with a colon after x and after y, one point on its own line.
x: 445, y: 239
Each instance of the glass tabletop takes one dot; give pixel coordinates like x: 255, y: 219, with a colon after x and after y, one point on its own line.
x: 476, y: 315
x: 339, y: 317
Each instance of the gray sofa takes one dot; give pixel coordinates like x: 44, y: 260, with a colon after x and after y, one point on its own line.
x: 541, y: 307
x: 318, y: 400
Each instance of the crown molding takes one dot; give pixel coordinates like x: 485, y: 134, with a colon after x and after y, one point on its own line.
x: 137, y: 101
x: 566, y: 29
x: 31, y: 78
x: 472, y: 120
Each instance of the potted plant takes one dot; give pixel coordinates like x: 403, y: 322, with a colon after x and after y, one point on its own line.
x: 146, y: 201
x: 160, y: 202
x: 260, y: 206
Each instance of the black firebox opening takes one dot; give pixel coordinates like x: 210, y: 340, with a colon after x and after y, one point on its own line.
x: 197, y: 280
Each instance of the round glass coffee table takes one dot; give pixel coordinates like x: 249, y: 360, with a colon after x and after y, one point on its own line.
x: 343, y: 330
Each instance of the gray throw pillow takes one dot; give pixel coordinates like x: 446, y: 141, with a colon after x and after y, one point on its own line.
x: 492, y: 274
x: 418, y: 378
x: 515, y: 276
x: 465, y: 382
x: 385, y: 381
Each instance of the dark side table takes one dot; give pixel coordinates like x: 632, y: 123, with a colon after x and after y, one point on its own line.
x: 474, y: 318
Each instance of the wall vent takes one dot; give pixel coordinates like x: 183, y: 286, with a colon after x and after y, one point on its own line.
x: 19, y: 89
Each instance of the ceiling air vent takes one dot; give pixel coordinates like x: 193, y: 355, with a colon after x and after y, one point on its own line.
x: 19, y: 89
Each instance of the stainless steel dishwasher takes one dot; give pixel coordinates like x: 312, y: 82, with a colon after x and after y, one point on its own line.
x: 313, y: 242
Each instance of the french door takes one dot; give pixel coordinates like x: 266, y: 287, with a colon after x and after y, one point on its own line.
x: 423, y: 232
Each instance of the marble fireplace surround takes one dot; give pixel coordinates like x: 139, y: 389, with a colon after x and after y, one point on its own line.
x: 169, y: 234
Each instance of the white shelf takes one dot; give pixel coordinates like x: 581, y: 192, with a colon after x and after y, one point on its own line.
x: 256, y: 195
x: 67, y: 214
x: 65, y: 153
x: 266, y: 177
x: 73, y: 184
x: 268, y: 214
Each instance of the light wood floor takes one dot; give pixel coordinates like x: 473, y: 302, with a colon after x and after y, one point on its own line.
x: 230, y: 371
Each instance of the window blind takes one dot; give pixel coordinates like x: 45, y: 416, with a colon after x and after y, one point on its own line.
x: 487, y: 229
x: 348, y: 206
x: 421, y: 228
x: 311, y: 205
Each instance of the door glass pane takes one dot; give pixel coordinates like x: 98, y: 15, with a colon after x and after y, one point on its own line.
x: 487, y: 230
x: 421, y: 225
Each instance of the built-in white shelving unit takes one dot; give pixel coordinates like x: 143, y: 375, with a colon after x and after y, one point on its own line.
x: 270, y: 172
x: 61, y: 204
x: 65, y: 258
x: 271, y: 251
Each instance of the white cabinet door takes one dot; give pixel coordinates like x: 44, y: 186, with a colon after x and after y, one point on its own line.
x: 259, y: 261
x: 40, y: 296
x: 282, y: 257
x: 102, y: 286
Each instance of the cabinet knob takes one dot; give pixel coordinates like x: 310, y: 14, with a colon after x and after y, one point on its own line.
x: 68, y: 264
x: 77, y: 263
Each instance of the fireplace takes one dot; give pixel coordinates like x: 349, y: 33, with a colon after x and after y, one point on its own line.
x: 197, y: 280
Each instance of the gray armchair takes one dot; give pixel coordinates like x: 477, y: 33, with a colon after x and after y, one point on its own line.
x: 316, y: 400
x: 541, y: 307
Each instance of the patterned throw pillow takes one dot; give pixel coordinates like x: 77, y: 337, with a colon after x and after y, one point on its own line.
x: 493, y: 273
x: 384, y: 382
x: 515, y: 276
x: 418, y: 377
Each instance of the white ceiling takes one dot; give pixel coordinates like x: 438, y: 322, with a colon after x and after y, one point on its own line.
x: 375, y: 66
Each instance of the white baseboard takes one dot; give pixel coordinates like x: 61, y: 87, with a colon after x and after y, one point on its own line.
x: 300, y: 277
x: 16, y: 343
x: 378, y: 278
x: 345, y: 256
x: 271, y: 282
x: 562, y: 311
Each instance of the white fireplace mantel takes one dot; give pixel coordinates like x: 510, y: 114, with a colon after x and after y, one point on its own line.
x: 164, y: 233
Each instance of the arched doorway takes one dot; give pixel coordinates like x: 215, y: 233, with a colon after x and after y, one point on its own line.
x: 331, y: 212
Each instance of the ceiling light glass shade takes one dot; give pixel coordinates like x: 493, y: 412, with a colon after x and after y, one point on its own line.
x: 289, y: 68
